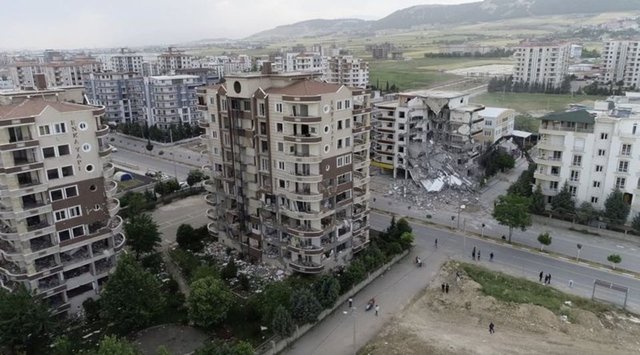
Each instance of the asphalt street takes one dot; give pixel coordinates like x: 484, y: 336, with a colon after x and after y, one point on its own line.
x: 140, y: 163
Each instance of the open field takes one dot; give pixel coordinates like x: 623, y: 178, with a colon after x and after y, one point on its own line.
x: 532, y: 103
x: 458, y: 322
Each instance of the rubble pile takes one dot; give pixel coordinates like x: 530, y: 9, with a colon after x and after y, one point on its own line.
x: 415, y: 196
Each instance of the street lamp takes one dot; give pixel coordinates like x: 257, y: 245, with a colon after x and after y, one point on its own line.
x: 353, y: 313
x: 482, y: 231
x: 462, y: 207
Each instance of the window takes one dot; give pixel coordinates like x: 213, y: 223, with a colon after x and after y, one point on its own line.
x: 78, y: 231
x: 71, y: 191
x: 279, y: 107
x: 626, y: 150
x: 347, y: 142
x: 48, y: 152
x: 596, y: 184
x: 347, y: 159
x: 60, y: 127
x: 623, y: 166
x: 553, y: 185
x: 339, y: 124
x: 75, y: 211
x: 575, y: 175
x: 246, y: 105
x: 573, y: 190
x: 60, y: 215
x: 264, y: 164
x: 340, y: 145
x: 340, y: 161
x: 53, y: 174
x: 56, y: 195
x: 601, y: 152
x: 594, y: 199
x: 620, y: 182
x: 577, y: 160
x: 604, y: 136
x: 279, y: 127
x: 64, y: 235
x: 261, y: 110
x: 488, y: 123
x: 281, y: 165
x: 635, y: 128
x: 223, y: 104
x: 339, y: 105
x: 280, y: 147
x: 598, y: 168
x: 347, y: 104
x: 64, y: 149
x: 213, y: 118
x: 67, y: 171
x: 44, y: 130
x: 281, y: 184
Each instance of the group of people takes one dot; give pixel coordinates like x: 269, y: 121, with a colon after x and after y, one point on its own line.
x: 370, y: 305
x: 547, y: 278
x: 476, y: 252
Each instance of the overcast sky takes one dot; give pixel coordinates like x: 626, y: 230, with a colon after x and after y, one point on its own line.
x: 112, y: 23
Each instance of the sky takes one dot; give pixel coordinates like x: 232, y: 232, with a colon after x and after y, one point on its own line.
x: 66, y: 24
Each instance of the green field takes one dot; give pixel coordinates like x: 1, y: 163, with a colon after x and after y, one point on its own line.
x: 525, y: 103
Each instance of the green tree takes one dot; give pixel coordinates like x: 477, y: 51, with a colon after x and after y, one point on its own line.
x: 274, y: 295
x: 135, y: 203
x: 512, y: 211
x: 615, y: 208
x: 305, y: 306
x: 131, y: 298
x: 188, y: 239
x: 282, y: 323
x: 114, y: 346
x: 327, y: 290
x: 204, y: 271
x: 194, y: 177
x: 614, y: 259
x: 544, y: 239
x: 63, y: 346
x: 209, y: 302
x: 230, y: 270
x: 142, y: 234
x: 354, y: 273
x: 538, y: 205
x: 26, y: 322
x: 223, y: 348
x: 586, y: 213
x: 636, y: 223
x: 406, y: 240
x: 563, y: 202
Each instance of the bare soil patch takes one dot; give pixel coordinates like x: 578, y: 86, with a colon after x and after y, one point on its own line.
x: 458, y: 323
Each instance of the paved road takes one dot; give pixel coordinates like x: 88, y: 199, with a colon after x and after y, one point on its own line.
x: 404, y: 281
x: 140, y: 163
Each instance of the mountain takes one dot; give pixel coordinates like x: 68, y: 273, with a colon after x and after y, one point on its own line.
x: 312, y: 28
x: 422, y: 15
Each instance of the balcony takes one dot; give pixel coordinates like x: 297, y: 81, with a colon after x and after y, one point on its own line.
x: 304, y: 231
x: 46, y: 263
x: 115, y: 224
x: 102, y: 130
x: 37, y: 226
x: 546, y: 176
x: 105, y: 150
x: 547, y: 160
x: 12, y: 270
x: 113, y: 205
x: 306, y: 249
x: 110, y: 188
x: 302, y: 119
x: 213, y: 230
x: 550, y: 145
x: 48, y: 283
x: 203, y: 124
x: 108, y: 169
x: 210, y: 199
x: 103, y: 266
x: 306, y: 267
x: 301, y: 175
x: 211, y: 214
x: 119, y: 241
x: 303, y: 138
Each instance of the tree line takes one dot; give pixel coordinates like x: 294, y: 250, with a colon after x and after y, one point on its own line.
x: 176, y: 132
x: 507, y: 84
x: 494, y: 53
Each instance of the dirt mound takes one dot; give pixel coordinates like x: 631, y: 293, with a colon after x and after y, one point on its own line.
x: 457, y: 323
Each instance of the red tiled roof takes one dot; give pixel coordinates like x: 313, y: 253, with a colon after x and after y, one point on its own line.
x: 34, y: 106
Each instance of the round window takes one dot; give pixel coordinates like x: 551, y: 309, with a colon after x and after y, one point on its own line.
x: 93, y: 188
x: 83, y: 126
x: 326, y: 108
x: 89, y: 168
x: 327, y: 167
x: 96, y: 207
x: 86, y: 147
x: 326, y: 148
x: 237, y: 87
x: 326, y: 129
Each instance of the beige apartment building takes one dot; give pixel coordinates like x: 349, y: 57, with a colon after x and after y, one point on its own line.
x: 541, y: 63
x: 289, y: 166
x: 620, y: 61
x: 60, y: 233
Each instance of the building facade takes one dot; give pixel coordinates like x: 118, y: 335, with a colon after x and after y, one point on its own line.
x: 126, y: 62
x: 405, y: 126
x: 122, y: 95
x: 172, y: 60
x: 346, y: 70
x: 620, y: 60
x: 594, y: 152
x: 498, y: 123
x: 171, y: 99
x: 543, y: 64
x: 289, y: 167
x: 59, y: 73
x: 60, y: 233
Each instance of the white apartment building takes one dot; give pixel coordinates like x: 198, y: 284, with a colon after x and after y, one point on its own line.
x: 423, y: 117
x: 122, y: 95
x: 56, y: 74
x: 289, y: 168
x: 593, y: 151
x: 345, y: 70
x: 171, y: 99
x: 541, y: 63
x: 172, y: 59
x: 498, y: 123
x: 126, y: 62
x: 60, y: 234
x: 621, y: 62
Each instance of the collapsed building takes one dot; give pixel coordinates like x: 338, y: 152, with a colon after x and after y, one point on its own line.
x: 432, y: 137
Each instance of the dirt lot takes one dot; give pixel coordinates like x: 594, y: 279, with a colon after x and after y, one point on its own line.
x: 458, y: 323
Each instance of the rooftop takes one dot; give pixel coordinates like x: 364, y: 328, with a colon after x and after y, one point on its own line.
x: 493, y: 112
x: 174, y: 77
x: 437, y: 94
x: 34, y: 106
x: 579, y: 116
x: 469, y: 108
x: 306, y: 88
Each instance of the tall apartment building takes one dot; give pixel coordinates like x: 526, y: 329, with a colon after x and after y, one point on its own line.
x: 122, y: 95
x: 346, y: 70
x: 592, y: 151
x: 545, y: 64
x: 620, y: 61
x: 126, y: 62
x: 60, y: 233
x: 289, y: 167
x: 498, y: 123
x: 59, y: 73
x: 172, y: 60
x: 404, y: 127
x: 171, y: 99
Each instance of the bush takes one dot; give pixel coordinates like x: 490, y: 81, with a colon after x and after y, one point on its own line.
x: 230, y: 270
x: 186, y: 261
x: 304, y: 306
x: 327, y: 290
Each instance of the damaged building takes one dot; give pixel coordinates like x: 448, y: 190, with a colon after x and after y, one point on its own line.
x: 432, y: 137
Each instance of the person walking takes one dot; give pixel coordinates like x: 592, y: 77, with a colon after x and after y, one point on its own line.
x: 549, y: 281
x: 350, y: 302
x: 491, y: 256
x: 446, y: 288
x: 492, y: 328
x: 436, y: 243
x: 570, y: 283
x: 377, y: 309
x: 541, y: 273
x: 478, y: 254
x: 442, y: 288
x: 473, y: 253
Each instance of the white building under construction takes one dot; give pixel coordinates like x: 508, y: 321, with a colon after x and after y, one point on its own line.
x: 427, y: 134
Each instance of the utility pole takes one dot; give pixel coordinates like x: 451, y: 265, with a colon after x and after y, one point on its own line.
x: 175, y: 167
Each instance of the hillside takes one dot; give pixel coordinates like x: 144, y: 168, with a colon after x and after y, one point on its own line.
x: 425, y: 15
